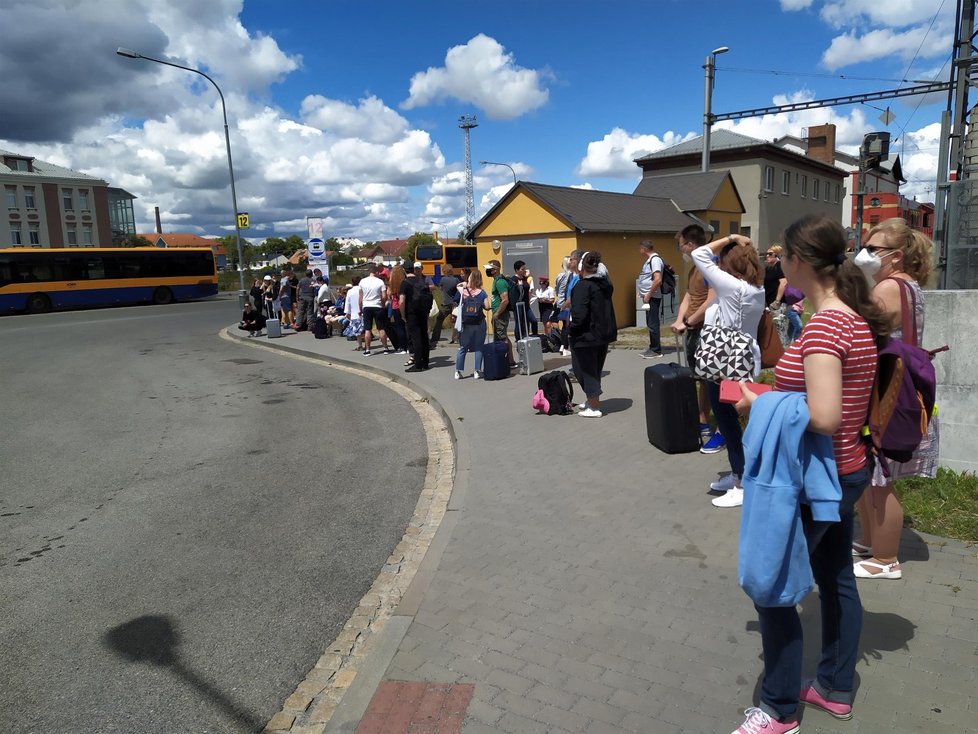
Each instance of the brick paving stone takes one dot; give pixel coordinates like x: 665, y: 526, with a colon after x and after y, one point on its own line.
x: 409, y: 707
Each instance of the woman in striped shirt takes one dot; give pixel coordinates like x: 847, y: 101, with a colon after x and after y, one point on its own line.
x: 834, y: 362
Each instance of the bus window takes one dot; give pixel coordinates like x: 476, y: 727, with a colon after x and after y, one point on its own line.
x: 428, y: 252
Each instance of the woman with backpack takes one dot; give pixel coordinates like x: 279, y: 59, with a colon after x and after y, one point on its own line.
x: 473, y: 304
x: 898, y: 260
x: 834, y: 364
x: 592, y: 328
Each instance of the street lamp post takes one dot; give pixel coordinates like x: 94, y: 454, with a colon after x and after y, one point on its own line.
x: 494, y: 163
x: 710, y: 67
x: 129, y: 53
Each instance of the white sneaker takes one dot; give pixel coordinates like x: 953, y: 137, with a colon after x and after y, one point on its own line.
x: 582, y: 406
x: 590, y: 413
x: 476, y: 375
x: 458, y: 375
x: 731, y: 498
x: 724, y: 483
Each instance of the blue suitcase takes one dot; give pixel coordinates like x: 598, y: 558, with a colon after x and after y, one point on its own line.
x: 495, y: 360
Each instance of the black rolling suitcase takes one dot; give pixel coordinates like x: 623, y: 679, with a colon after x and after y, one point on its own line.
x: 320, y: 329
x: 671, y: 408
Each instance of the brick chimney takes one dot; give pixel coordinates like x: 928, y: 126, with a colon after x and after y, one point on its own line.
x: 821, y: 143
x: 159, y: 226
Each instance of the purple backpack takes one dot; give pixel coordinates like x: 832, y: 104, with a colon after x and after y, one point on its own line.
x: 904, y: 390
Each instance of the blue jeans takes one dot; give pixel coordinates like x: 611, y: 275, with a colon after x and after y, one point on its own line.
x: 652, y: 321
x: 728, y: 423
x: 830, y: 552
x: 470, y: 339
x: 794, y: 324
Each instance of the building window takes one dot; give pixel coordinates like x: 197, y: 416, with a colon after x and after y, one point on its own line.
x: 87, y: 235
x: 815, y: 184
x: 734, y: 228
x: 29, y: 201
x: 83, y: 199
x: 15, y: 238
x: 785, y: 182
x: 66, y: 199
x: 804, y: 186
x: 34, y: 232
x: 769, y: 178
x: 715, y: 224
x: 828, y: 191
x: 72, y: 236
x: 11, y: 192
x: 837, y: 187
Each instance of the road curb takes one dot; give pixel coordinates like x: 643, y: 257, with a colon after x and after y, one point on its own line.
x: 336, y: 692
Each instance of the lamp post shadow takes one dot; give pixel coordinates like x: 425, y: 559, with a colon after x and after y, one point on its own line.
x: 154, y: 639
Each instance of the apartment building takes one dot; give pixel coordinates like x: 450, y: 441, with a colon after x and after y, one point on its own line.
x: 51, y: 206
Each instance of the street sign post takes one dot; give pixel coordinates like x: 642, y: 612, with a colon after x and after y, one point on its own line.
x: 244, y: 220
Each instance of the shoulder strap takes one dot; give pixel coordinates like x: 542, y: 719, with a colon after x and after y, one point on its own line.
x: 908, y: 311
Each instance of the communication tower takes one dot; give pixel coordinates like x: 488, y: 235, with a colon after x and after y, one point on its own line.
x: 467, y: 122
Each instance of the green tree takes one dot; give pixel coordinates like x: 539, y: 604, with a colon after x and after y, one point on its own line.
x: 274, y: 246
x: 230, y: 244
x: 135, y: 240
x: 294, y: 243
x: 418, y: 238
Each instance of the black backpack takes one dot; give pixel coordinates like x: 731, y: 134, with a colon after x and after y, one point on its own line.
x: 558, y: 391
x: 517, y: 293
x: 421, y: 298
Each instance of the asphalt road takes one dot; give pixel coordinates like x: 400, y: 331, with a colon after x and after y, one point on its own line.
x: 185, y: 523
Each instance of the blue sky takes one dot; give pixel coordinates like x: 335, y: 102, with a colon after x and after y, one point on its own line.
x: 348, y: 109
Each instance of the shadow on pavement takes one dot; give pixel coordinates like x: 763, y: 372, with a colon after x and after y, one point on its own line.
x: 154, y: 639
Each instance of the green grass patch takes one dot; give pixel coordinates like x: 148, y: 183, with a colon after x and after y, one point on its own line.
x: 946, y: 505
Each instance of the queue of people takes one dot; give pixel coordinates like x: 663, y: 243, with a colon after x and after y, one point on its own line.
x: 801, y: 472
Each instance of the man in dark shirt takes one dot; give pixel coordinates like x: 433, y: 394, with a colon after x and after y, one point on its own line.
x: 306, y: 314
x: 417, y: 323
x: 252, y: 320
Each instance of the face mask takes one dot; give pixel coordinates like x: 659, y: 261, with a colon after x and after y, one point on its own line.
x: 869, y: 262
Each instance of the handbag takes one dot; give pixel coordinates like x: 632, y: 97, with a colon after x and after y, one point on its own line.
x: 724, y: 353
x: 769, y: 340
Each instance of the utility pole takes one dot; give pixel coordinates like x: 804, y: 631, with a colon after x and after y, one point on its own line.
x: 467, y: 122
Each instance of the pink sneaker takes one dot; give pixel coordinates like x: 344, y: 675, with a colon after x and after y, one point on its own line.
x: 812, y: 697
x: 757, y: 722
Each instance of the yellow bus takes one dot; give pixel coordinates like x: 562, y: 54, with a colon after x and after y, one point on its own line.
x: 433, y: 257
x: 38, y: 280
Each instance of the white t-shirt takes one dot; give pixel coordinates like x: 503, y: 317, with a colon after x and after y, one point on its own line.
x: 372, y: 292
x: 352, y: 304
x: 652, y: 266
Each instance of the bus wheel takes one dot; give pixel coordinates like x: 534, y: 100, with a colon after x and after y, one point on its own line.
x: 38, y: 303
x: 162, y: 296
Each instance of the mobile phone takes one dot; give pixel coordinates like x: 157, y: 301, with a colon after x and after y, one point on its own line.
x: 730, y: 390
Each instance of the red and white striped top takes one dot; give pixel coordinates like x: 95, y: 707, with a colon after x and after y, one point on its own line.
x: 848, y: 337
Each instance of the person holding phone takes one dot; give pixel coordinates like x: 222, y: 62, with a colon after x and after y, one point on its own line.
x: 737, y: 279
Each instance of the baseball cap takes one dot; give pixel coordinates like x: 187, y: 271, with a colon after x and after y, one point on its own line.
x: 417, y: 265
x: 267, y: 277
x: 489, y: 266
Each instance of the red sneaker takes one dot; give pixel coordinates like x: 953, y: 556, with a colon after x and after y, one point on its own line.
x: 812, y: 697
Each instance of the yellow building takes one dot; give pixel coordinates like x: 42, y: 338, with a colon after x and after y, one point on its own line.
x: 540, y: 224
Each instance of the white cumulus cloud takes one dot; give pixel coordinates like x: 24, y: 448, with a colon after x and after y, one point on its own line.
x: 482, y: 74
x: 614, y: 155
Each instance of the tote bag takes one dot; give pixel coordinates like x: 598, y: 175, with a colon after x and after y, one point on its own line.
x: 725, y: 352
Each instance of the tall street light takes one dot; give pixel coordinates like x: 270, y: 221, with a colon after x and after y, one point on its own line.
x: 494, y: 163
x: 129, y: 53
x: 710, y: 67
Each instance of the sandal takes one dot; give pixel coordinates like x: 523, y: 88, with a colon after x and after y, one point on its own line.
x: 884, y: 570
x: 861, y: 551
x: 409, y: 362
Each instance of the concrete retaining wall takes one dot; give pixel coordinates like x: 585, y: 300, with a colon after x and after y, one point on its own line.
x: 952, y: 319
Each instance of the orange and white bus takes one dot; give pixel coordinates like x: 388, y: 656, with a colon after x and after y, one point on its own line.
x: 37, y: 280
x: 433, y: 257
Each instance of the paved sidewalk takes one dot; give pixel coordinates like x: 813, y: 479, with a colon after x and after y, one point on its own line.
x: 582, y: 582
